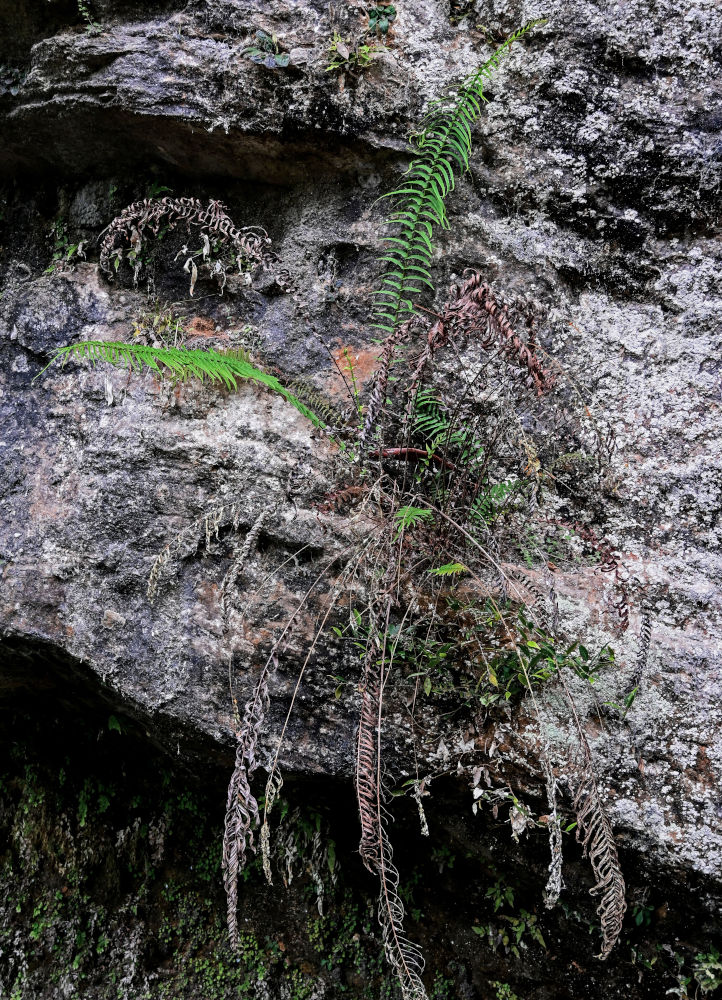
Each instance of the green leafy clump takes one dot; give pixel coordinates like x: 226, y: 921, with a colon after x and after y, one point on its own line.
x: 381, y: 18
x: 349, y: 55
x: 442, y: 147
x: 181, y: 364
x: 266, y: 51
x: 65, y: 253
x: 91, y: 25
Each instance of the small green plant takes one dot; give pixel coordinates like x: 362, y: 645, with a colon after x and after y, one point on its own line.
x: 266, y: 51
x: 642, y: 914
x: 159, y: 324
x: 65, y: 253
x: 91, y: 25
x: 381, y: 18
x: 503, y: 991
x: 350, y: 55
x: 515, y: 933
x: 707, y: 970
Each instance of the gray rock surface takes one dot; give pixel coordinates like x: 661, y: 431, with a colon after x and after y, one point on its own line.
x: 595, y: 189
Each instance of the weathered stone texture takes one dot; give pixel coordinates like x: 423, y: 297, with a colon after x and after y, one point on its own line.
x: 594, y: 189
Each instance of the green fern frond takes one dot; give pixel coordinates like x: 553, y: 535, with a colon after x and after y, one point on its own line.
x: 435, y: 427
x: 449, y: 569
x: 486, y: 506
x: 181, y: 363
x: 443, y: 147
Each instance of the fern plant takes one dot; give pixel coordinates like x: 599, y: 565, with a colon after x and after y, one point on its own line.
x: 436, y: 505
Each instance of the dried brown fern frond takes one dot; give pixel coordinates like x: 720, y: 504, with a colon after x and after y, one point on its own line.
x: 378, y: 392
x: 554, y: 882
x: 594, y: 832
x: 476, y: 311
x: 245, y: 248
x: 404, y: 956
x: 243, y: 555
x: 186, y: 541
x: 242, y: 814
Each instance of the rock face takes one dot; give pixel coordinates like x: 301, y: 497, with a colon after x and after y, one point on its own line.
x: 594, y: 190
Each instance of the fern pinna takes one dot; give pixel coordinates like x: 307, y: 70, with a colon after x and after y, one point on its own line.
x: 442, y: 145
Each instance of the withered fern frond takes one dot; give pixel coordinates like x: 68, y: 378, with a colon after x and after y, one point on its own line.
x: 594, y: 832
x: 242, y: 814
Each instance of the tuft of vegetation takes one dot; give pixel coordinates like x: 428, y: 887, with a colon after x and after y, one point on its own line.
x: 65, y: 253
x: 266, y: 50
x: 453, y: 449
x: 350, y: 55
x: 92, y: 27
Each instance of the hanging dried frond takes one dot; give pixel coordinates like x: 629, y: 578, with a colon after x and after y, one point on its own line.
x: 594, y: 832
x: 375, y: 849
x: 241, y: 559
x: 609, y: 562
x: 186, y: 542
x: 476, y: 312
x: 366, y: 771
x: 242, y: 814
x: 273, y: 789
x: 377, y: 399
x: 643, y: 643
x: 554, y: 882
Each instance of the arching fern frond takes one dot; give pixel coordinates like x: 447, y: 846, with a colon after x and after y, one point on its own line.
x: 442, y: 147
x: 182, y: 363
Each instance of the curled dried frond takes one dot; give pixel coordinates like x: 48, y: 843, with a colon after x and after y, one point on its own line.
x: 242, y: 814
x: 186, y: 542
x: 477, y: 312
x: 594, y: 832
x: 222, y: 244
x: 554, y: 882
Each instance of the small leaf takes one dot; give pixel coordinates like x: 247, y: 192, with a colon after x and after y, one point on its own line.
x: 283, y: 59
x: 427, y: 685
x: 114, y: 725
x: 449, y: 569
